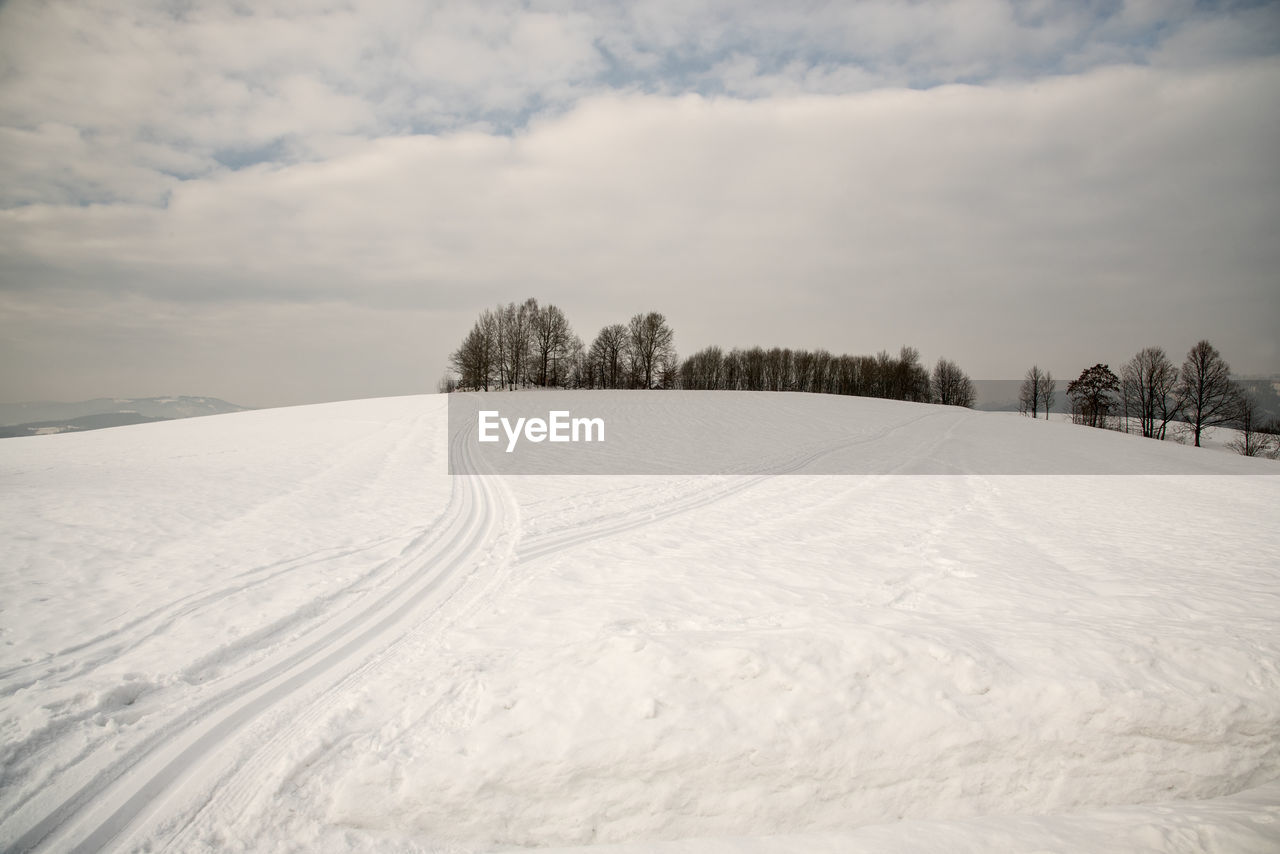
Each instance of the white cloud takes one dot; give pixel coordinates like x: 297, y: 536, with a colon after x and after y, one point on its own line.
x: 427, y: 159
x: 831, y: 219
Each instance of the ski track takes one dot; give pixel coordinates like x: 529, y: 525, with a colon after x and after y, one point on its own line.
x: 158, y: 620
x: 225, y: 656
x: 112, y: 644
x: 248, y: 783
x: 206, y: 762
x: 121, y: 790
x: 194, y: 674
x: 537, y: 547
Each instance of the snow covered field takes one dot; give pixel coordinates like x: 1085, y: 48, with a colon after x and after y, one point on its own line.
x: 292, y: 630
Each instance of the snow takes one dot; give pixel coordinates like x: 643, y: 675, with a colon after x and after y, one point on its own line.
x: 292, y: 630
x: 1218, y: 438
x: 658, y: 432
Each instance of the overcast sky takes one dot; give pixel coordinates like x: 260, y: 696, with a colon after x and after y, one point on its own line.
x: 283, y: 205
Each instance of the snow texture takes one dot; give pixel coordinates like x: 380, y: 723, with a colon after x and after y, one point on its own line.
x: 292, y: 630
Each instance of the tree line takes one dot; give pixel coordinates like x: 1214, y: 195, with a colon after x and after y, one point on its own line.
x: 1151, y: 394
x: 530, y: 345
x: 527, y: 345
x: 782, y: 369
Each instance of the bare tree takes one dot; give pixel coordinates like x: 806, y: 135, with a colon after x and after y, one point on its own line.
x: 515, y: 326
x: 704, y: 370
x: 668, y: 371
x: 910, y: 378
x: 551, y: 338
x: 575, y: 371
x: 802, y: 363
x: 1038, y: 392
x: 784, y: 369
x: 1211, y: 398
x: 731, y: 370
x: 1253, y: 440
x: 880, y: 375
x: 652, y: 343
x: 1031, y: 395
x: 1149, y: 385
x: 822, y: 374
x: 475, y: 359
x: 753, y: 369
x: 777, y: 369
x: 868, y: 373
x: 951, y: 386
x: 609, y: 354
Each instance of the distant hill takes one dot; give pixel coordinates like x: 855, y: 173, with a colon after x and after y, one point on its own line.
x: 42, y: 417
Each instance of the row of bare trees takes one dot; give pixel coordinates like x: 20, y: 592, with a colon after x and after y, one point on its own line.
x: 523, y: 345
x: 527, y: 345
x: 819, y: 371
x: 1152, y: 394
x: 512, y: 345
x: 1038, y: 392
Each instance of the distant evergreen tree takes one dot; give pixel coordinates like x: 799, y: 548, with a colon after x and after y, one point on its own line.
x: 1092, y: 395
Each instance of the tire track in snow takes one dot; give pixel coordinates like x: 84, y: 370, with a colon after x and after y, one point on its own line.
x: 100, y: 811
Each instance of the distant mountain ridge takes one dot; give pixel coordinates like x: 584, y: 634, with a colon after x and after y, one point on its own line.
x: 39, y: 417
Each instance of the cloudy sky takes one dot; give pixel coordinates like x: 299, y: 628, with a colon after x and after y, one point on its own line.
x: 278, y: 203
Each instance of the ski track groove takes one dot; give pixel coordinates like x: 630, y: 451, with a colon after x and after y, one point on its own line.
x: 167, y: 755
x: 243, y: 784
x: 167, y: 615
x: 273, y: 682
x: 550, y: 543
x: 170, y: 612
x: 312, y: 611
